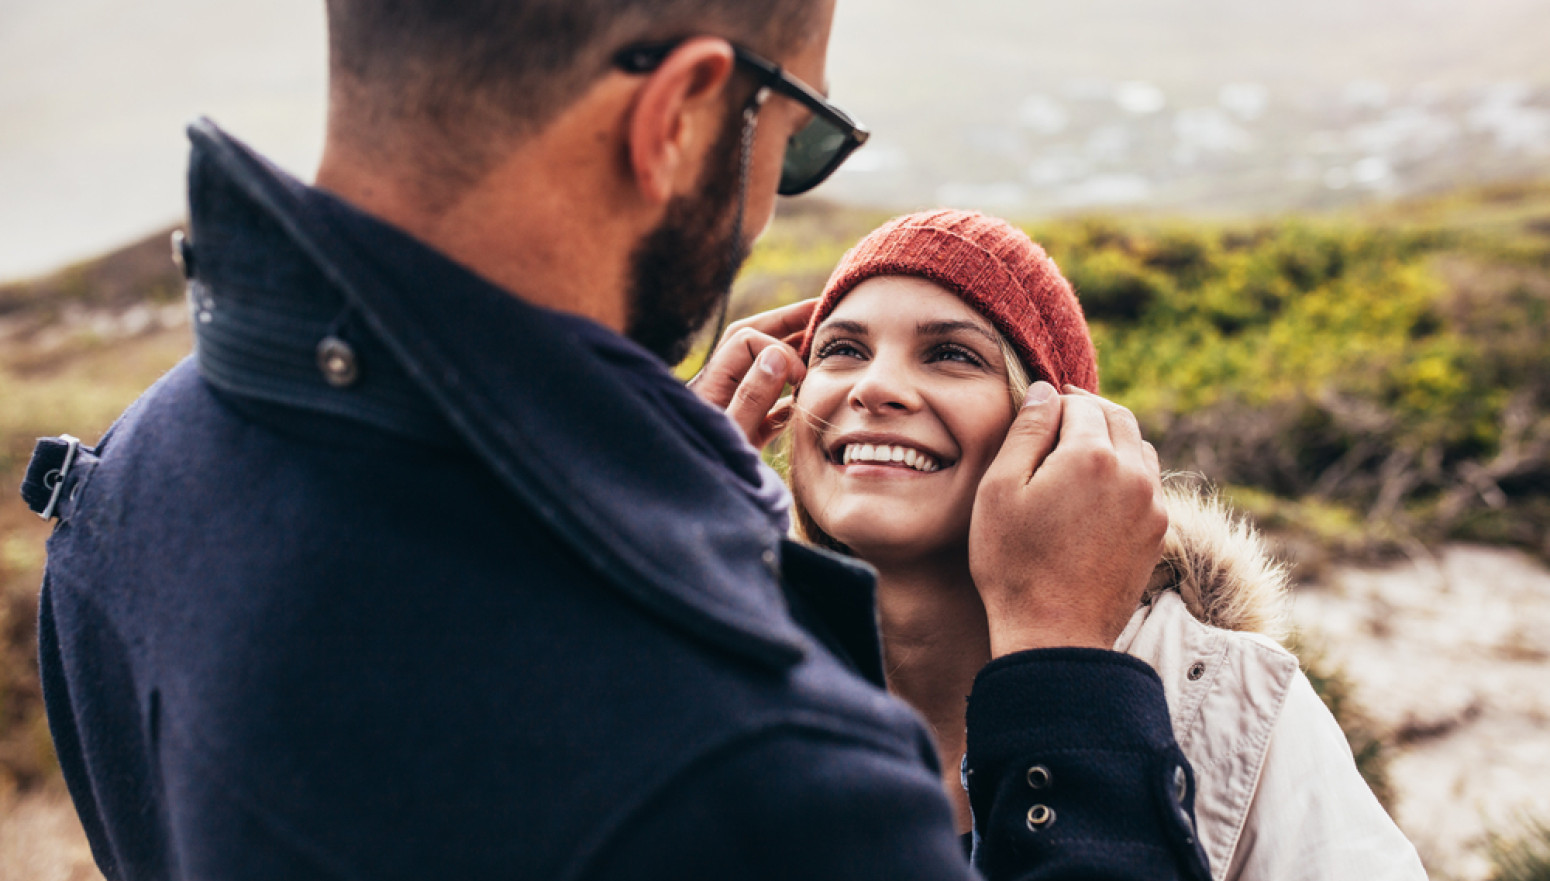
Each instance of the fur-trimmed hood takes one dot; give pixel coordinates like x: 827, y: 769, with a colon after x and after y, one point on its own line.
x: 1219, y: 564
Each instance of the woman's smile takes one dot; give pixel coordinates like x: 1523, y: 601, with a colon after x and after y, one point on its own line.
x: 904, y: 406
x: 866, y: 454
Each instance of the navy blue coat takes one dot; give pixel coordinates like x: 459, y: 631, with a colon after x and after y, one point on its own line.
x: 483, y: 593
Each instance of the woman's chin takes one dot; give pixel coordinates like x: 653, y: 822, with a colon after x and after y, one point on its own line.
x: 891, y: 545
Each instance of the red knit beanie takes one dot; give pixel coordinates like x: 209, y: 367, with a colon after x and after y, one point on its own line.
x: 992, y: 266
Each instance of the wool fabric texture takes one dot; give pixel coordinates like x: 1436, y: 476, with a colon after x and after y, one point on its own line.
x: 993, y: 267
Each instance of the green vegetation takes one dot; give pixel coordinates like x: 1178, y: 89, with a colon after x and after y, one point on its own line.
x: 1371, y: 383
x: 1523, y: 855
x: 1403, y: 375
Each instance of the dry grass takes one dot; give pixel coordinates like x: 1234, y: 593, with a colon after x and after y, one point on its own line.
x: 82, y: 396
x: 86, y: 378
x: 1523, y: 854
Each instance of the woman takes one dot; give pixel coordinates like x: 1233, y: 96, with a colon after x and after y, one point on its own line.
x: 918, y: 354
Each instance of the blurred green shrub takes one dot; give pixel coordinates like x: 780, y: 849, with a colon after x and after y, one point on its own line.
x: 1396, y: 371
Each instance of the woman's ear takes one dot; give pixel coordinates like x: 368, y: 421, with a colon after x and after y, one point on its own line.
x: 678, y: 114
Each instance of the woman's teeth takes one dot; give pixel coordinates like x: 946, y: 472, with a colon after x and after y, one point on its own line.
x: 889, y: 453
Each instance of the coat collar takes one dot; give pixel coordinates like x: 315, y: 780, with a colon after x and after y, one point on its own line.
x: 596, y: 437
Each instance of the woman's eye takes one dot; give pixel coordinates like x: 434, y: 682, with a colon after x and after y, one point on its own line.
x: 841, y: 348
x: 956, y: 353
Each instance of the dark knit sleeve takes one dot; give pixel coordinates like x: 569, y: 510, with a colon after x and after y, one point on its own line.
x: 1073, y: 771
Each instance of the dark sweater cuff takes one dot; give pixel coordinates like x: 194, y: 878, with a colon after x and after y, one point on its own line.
x: 1071, y: 758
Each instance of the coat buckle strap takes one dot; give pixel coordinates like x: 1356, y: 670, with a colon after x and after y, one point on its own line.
x: 44, y: 485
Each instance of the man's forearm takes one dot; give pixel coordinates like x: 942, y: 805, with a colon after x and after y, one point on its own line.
x: 1073, y: 771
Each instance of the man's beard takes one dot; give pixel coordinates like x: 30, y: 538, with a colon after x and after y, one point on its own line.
x: 683, y: 269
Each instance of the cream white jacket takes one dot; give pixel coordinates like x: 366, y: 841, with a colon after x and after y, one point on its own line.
x: 1278, y: 796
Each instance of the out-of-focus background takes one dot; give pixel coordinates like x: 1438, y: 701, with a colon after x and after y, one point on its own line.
x: 1312, y: 237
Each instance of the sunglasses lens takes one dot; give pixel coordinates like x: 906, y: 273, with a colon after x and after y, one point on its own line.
x: 812, y: 154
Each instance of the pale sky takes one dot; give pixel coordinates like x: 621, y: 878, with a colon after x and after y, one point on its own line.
x: 94, y: 94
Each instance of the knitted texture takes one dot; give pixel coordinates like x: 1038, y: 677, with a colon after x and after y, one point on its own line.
x: 992, y: 266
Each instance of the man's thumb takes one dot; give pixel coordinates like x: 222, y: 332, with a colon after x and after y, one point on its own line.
x: 759, y: 392
x: 1034, y: 432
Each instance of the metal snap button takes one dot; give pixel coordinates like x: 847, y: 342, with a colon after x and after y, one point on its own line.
x: 1039, y: 777
x: 1187, y: 824
x: 336, y: 358
x: 1197, y: 670
x: 183, y: 254
x: 1039, y: 816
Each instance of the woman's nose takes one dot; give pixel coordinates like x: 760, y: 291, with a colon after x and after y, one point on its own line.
x: 884, y: 388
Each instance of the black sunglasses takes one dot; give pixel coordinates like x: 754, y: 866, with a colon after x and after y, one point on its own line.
x: 814, y: 152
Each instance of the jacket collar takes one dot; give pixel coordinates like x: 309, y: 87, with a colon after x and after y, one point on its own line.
x: 577, y: 429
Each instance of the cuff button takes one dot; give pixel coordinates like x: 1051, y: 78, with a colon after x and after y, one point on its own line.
x: 1039, y: 777
x: 336, y: 360
x: 1040, y: 817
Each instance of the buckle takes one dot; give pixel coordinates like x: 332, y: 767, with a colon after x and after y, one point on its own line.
x: 44, y: 485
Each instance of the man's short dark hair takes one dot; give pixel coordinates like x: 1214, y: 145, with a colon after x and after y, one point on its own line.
x: 489, y: 70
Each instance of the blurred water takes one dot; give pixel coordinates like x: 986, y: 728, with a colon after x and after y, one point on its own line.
x: 1016, y: 105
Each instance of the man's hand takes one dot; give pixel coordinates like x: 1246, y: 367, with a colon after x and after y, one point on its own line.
x: 752, y: 365
x: 1068, y: 523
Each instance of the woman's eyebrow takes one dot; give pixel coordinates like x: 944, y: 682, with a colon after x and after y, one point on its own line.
x: 947, y: 328
x: 843, y: 326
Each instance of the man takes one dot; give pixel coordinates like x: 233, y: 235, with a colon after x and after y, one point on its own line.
x: 423, y: 566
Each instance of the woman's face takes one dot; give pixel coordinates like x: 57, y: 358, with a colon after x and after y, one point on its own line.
x: 904, y: 406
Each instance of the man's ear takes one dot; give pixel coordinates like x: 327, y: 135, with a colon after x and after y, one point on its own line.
x: 678, y: 114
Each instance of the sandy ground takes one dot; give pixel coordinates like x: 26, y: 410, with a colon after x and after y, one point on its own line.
x: 1452, y: 655
x: 41, y: 840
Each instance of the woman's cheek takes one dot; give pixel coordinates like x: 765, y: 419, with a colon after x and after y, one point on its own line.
x: 806, y: 462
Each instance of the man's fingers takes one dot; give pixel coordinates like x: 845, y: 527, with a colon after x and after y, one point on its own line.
x: 735, y: 352
x: 1032, y: 435
x: 1124, y: 431
x: 775, y: 423
x: 760, y: 390
x: 1153, y: 464
x: 729, y: 365
x: 782, y: 323
x: 747, y: 372
x: 1083, y: 422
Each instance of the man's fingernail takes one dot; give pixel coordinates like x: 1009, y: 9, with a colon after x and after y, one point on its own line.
x: 771, y: 362
x: 1038, y: 393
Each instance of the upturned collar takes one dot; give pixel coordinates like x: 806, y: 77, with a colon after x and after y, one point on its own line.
x: 645, y: 483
